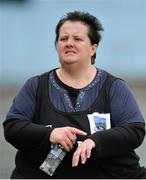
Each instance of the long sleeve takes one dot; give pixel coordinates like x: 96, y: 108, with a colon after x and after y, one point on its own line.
x: 128, y: 127
x: 26, y: 135
x: 118, y: 140
x: 19, y: 130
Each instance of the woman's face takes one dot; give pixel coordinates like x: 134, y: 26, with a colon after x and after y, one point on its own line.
x: 74, y: 45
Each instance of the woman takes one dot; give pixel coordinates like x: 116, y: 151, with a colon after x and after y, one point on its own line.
x: 89, y: 113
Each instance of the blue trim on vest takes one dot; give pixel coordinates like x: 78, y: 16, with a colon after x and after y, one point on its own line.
x: 61, y: 100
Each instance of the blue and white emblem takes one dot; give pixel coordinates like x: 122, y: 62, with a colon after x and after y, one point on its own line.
x: 99, y: 122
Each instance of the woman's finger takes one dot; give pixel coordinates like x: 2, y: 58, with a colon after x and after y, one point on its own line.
x: 75, y: 159
x: 72, y: 137
x: 88, y: 152
x: 83, y: 155
x: 65, y: 146
x: 79, y: 132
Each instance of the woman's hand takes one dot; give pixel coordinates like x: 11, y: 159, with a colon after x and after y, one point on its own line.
x: 65, y: 136
x: 83, y: 152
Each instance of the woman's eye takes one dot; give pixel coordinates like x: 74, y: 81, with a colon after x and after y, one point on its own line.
x: 78, y: 39
x: 63, y: 39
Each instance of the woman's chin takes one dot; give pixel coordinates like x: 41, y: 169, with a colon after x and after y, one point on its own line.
x: 69, y: 61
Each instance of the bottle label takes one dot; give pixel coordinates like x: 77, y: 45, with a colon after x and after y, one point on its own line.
x: 53, y: 160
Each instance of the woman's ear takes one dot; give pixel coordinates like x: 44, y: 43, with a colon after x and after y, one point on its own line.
x: 94, y: 47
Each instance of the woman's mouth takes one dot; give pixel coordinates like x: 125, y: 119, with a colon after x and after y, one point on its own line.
x: 70, y: 52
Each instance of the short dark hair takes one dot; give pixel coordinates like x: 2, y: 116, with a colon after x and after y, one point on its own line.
x: 91, y: 21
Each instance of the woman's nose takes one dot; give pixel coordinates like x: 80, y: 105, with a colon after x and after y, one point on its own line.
x: 69, y: 42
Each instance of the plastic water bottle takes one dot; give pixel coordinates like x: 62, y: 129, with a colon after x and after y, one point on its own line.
x: 53, y: 159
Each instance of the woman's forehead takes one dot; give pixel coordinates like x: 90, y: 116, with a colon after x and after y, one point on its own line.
x: 75, y: 27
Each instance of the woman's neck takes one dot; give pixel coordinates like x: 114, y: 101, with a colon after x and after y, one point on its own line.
x: 76, y: 78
